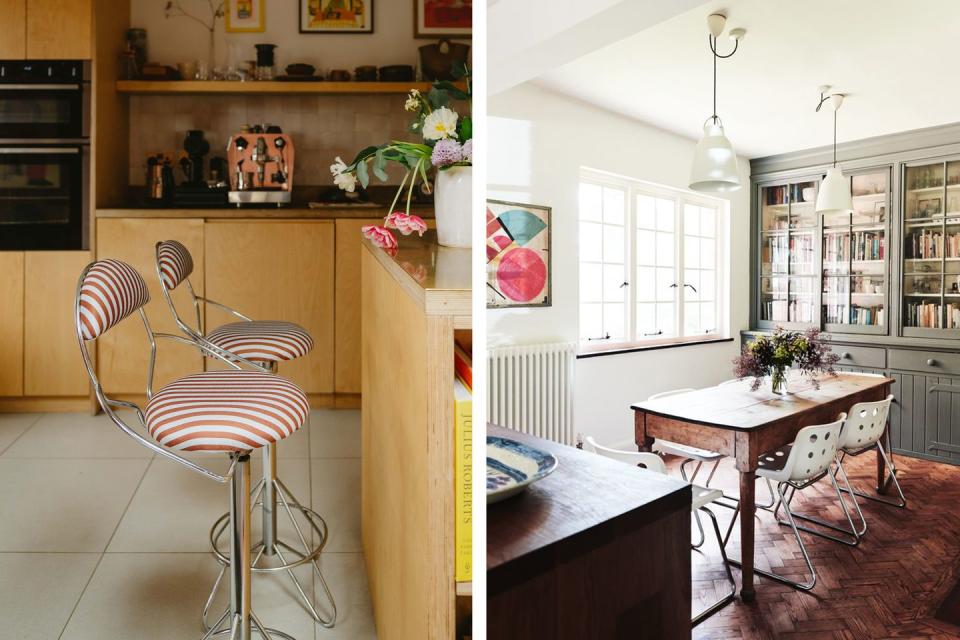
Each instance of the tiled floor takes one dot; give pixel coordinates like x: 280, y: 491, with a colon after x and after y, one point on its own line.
x: 100, y: 539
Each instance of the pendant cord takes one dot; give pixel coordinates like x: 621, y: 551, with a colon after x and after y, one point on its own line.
x: 834, y: 137
x: 713, y: 51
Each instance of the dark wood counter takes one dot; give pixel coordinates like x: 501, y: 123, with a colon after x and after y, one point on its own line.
x: 595, y: 550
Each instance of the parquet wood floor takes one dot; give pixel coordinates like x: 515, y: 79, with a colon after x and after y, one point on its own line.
x: 888, y: 587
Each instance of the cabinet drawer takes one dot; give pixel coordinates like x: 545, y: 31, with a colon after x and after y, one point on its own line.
x: 932, y: 362
x: 861, y: 356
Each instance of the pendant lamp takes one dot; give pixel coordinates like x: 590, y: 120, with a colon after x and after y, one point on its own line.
x: 714, y: 167
x: 834, y: 195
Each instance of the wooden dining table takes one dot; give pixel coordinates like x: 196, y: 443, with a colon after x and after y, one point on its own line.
x: 742, y: 424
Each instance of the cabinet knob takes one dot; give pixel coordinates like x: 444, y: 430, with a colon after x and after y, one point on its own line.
x: 845, y: 355
x: 931, y: 362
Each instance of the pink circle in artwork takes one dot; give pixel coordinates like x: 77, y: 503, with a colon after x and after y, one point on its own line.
x: 521, y: 274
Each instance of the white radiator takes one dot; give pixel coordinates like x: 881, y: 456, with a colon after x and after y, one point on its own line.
x: 530, y: 389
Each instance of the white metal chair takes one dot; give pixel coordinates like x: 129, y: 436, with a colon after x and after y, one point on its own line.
x: 797, y: 466
x: 868, y: 422
x: 702, y: 497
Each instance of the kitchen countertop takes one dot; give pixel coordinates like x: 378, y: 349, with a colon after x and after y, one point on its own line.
x: 288, y: 212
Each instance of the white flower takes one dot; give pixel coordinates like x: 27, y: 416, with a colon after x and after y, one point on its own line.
x: 346, y: 181
x: 413, y: 101
x: 338, y: 167
x: 440, y: 124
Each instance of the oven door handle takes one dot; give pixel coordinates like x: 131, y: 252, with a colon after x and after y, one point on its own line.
x: 37, y: 150
x: 40, y: 87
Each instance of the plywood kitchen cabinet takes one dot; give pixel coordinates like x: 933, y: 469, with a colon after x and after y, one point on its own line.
x: 277, y: 270
x: 52, y: 365
x: 13, y: 26
x: 11, y: 323
x: 58, y: 30
x: 123, y: 352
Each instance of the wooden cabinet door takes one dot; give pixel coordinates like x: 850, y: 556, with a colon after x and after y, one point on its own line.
x: 11, y: 323
x: 52, y: 365
x: 13, y: 26
x: 277, y: 270
x: 58, y: 30
x: 123, y: 352
x: 346, y: 358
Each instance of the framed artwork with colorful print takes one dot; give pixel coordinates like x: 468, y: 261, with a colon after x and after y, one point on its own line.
x: 336, y: 16
x: 518, y: 255
x: 245, y: 16
x: 443, y: 18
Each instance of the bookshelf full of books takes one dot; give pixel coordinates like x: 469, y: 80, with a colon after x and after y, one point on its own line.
x: 931, y: 248
x: 854, y: 251
x: 789, y: 253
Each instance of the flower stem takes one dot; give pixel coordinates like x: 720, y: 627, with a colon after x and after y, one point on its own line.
x: 412, y: 183
x: 399, y: 191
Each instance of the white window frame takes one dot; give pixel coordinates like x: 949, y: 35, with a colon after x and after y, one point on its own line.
x: 681, y: 197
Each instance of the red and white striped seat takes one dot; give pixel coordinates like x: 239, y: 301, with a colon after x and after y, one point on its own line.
x: 266, y: 340
x: 226, y: 411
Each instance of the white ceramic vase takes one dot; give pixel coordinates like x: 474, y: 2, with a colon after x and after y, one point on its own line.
x: 452, y: 206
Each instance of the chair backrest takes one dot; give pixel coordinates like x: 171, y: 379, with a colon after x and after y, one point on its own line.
x: 664, y: 394
x: 108, y: 292
x: 174, y: 263
x: 813, y: 450
x: 649, y: 461
x: 865, y: 424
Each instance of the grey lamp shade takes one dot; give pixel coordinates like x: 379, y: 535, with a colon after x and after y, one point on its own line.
x: 714, y: 161
x: 834, y: 194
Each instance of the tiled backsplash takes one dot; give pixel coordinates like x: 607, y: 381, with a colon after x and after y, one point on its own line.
x: 322, y: 127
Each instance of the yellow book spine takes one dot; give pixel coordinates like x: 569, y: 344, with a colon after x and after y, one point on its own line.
x: 463, y: 482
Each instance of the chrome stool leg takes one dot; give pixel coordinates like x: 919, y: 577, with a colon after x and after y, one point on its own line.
x: 854, y: 534
x: 729, y: 597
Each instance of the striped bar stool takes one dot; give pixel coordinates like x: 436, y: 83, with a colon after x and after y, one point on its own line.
x: 260, y: 345
x: 232, y: 412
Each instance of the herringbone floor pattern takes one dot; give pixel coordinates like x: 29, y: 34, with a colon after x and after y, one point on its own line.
x: 888, y: 587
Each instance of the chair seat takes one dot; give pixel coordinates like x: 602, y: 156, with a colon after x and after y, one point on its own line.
x: 703, y: 496
x: 226, y: 411
x: 267, y: 340
x: 773, y: 462
x: 684, y: 451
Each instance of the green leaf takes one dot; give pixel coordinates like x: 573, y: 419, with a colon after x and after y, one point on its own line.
x: 438, y: 98
x: 363, y: 155
x: 464, y: 129
x: 379, y: 166
x: 451, y: 89
x: 362, y: 174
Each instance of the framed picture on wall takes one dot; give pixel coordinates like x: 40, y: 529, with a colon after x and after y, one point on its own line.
x: 336, y: 16
x: 518, y: 255
x: 245, y: 16
x: 443, y: 18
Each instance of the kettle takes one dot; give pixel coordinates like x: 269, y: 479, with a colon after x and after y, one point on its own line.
x: 159, y: 179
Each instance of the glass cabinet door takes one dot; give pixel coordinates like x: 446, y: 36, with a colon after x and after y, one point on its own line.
x: 854, y: 258
x: 931, y: 301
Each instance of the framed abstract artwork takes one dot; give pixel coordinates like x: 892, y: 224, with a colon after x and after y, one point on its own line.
x: 442, y: 18
x: 336, y: 16
x: 245, y: 16
x: 518, y: 255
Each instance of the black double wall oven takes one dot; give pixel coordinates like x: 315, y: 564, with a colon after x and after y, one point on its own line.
x: 44, y: 154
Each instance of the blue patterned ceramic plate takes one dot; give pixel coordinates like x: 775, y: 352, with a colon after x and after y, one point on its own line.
x: 512, y: 466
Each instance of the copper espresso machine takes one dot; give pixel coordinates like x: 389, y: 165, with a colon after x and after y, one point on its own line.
x: 260, y: 162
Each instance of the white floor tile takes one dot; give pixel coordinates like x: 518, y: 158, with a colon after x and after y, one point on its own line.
x: 64, y: 505
x: 347, y: 578
x: 335, y: 433
x: 336, y: 497
x: 40, y: 591
x: 297, y: 445
x: 77, y: 435
x: 12, y: 426
x: 175, y: 507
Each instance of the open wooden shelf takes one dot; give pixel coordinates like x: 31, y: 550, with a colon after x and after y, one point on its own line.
x: 265, y: 87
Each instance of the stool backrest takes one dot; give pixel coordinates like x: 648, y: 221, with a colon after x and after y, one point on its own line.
x: 642, y: 459
x: 108, y: 292
x: 813, y: 450
x: 664, y: 394
x: 865, y: 424
x: 174, y: 263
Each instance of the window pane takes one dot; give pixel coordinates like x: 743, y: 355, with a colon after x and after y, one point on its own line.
x: 591, y: 321
x: 646, y: 251
x: 708, y: 317
x: 691, y: 318
x: 691, y: 252
x: 665, y: 282
x: 691, y: 219
x: 591, y: 247
x: 646, y: 320
x: 708, y: 222
x: 707, y: 253
x: 691, y: 277
x: 612, y: 243
x: 614, y: 201
x: 646, y: 284
x: 665, y: 319
x: 612, y: 281
x: 646, y: 212
x: 590, y: 205
x: 665, y: 212
x: 591, y: 281
x: 708, y: 285
x: 665, y: 250
x: 613, y: 320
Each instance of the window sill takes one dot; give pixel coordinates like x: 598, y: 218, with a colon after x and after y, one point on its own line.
x: 617, y: 349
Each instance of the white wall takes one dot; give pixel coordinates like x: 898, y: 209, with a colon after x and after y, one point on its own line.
x: 539, y: 140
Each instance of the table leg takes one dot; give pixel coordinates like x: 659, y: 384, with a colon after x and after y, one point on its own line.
x: 644, y: 442
x: 748, y: 508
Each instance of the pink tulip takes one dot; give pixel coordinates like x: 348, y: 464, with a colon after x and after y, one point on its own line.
x: 405, y: 224
x: 379, y: 236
